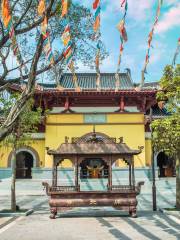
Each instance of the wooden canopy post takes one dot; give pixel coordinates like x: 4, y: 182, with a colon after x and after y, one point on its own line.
x: 130, y: 175
x: 54, y: 173
x: 76, y: 173
x: 133, y: 176
x: 110, y: 174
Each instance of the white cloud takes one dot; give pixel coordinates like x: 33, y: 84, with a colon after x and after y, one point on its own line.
x: 169, y: 20
x: 170, y: 2
x: 137, y: 10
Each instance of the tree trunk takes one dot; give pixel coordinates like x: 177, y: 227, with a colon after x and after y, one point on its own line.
x: 177, y: 182
x: 13, y: 181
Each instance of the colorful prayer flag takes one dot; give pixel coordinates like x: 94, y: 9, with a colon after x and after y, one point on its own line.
x: 97, y: 24
x: 96, y: 4
x: 66, y: 37
x: 123, y: 2
x: 150, y: 36
x: 6, y: 16
x: 123, y: 37
x: 41, y: 7
x: 121, y: 48
x: 46, y: 36
x: 64, y: 8
x: 68, y: 53
x: 122, y: 30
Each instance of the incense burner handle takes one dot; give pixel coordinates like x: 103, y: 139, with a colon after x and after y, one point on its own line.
x: 46, y: 187
x: 138, y: 187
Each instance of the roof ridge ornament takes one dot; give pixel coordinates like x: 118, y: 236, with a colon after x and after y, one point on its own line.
x: 140, y: 148
x: 66, y: 139
x: 94, y: 135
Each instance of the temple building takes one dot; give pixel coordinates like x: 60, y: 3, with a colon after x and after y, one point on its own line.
x: 122, y: 114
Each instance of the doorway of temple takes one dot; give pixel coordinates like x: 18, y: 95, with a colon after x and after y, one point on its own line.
x: 166, y: 165
x: 24, y: 164
x: 93, y: 168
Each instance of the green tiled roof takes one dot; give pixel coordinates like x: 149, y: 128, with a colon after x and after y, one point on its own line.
x: 157, y: 112
x: 88, y: 81
x: 160, y: 112
x: 151, y: 85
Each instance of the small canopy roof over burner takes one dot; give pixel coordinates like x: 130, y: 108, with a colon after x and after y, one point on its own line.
x: 94, y: 143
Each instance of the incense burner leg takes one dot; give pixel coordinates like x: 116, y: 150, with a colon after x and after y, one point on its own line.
x: 53, y: 213
x: 133, y: 212
x: 130, y: 212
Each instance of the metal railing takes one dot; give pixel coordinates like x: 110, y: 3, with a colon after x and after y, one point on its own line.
x: 64, y: 189
x: 122, y: 188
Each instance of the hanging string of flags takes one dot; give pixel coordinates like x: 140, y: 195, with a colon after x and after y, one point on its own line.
x: 75, y: 79
x: 150, y: 37
x: 97, y: 8
x: 176, y: 53
x: 45, y: 33
x: 66, y: 39
x: 46, y: 37
x: 8, y: 23
x: 68, y: 44
x: 66, y: 36
x: 96, y: 27
x: 123, y: 39
x: 68, y: 54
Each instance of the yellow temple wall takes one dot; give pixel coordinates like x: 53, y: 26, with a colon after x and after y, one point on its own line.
x: 148, y: 151
x: 37, y: 145
x: 4, y: 154
x: 129, y: 126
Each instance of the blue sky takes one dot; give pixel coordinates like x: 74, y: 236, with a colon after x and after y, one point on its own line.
x: 140, y: 17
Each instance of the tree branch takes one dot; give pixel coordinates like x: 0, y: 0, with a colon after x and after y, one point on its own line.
x: 27, y: 93
x: 48, y: 67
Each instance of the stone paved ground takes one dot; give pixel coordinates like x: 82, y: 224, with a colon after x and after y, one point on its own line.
x: 88, y: 223
x: 76, y: 227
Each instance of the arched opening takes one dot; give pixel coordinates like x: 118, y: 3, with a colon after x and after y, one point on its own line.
x: 166, y: 165
x: 93, y: 168
x: 24, y: 164
x: 26, y: 158
x: 66, y: 163
x: 120, y: 163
